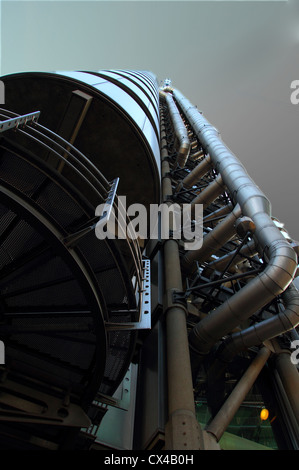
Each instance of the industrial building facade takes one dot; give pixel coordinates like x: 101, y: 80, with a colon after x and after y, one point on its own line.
x: 128, y: 341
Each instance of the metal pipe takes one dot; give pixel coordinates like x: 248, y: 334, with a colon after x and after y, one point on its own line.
x: 253, y: 296
x: 280, y: 257
x: 267, y: 329
x: 196, y: 156
x: 209, y: 194
x: 182, y: 138
x: 218, y: 213
x: 200, y: 170
x: 213, y: 241
x: 223, y: 418
x: 194, y: 176
x: 182, y: 429
x: 248, y: 250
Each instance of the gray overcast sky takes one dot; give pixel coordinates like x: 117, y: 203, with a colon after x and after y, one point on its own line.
x: 234, y: 60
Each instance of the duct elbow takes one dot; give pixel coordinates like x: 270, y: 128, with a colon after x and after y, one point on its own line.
x: 262, y: 289
x: 281, y: 268
x: 291, y: 300
x: 266, y: 330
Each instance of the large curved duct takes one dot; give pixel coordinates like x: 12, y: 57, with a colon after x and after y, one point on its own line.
x: 279, y: 255
x: 236, y: 256
x: 265, y: 330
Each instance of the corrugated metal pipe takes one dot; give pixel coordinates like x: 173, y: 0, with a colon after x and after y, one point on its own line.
x: 182, y: 139
x: 265, y: 330
x: 194, y: 176
x: 213, y: 241
x: 281, y: 259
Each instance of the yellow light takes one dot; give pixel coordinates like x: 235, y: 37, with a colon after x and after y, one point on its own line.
x: 264, y: 414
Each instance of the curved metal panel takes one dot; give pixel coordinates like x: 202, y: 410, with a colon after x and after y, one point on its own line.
x: 135, y: 90
x: 125, y: 144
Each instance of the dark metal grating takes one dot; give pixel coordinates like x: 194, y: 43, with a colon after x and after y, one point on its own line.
x: 55, y: 300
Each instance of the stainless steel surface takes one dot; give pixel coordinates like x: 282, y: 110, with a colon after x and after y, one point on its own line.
x: 284, y: 321
x: 79, y: 311
x: 183, y: 143
x: 214, y: 240
x: 281, y: 258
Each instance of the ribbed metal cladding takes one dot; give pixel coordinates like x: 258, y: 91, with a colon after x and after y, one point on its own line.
x: 125, y: 93
x: 115, y: 121
x: 65, y: 294
x: 281, y: 258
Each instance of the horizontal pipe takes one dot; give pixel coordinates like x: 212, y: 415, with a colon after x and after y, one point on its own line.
x: 248, y: 250
x: 265, y: 330
x: 200, y: 170
x: 213, y: 241
x: 244, y: 303
x: 210, y: 193
x: 194, y: 176
x: 196, y: 156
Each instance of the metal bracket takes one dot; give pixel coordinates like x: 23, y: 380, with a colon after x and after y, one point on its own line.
x: 144, y: 322
x: 104, y: 217
x: 178, y: 297
x: 18, y: 121
x: 33, y: 406
x: 72, y: 239
x: 121, y: 398
x: 175, y: 298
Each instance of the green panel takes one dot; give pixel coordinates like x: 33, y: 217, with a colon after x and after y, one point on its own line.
x: 246, y: 431
x: 232, y: 442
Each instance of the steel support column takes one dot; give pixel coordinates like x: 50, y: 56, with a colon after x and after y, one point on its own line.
x: 182, y: 429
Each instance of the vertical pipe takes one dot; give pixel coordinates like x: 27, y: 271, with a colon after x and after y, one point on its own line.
x: 224, y: 416
x: 182, y: 430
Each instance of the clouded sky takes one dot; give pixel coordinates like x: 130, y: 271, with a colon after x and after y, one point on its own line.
x: 235, y: 60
